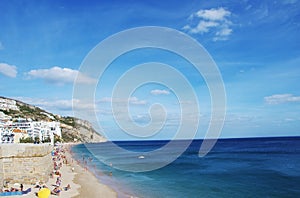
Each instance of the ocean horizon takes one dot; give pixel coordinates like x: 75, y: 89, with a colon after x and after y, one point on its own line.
x: 235, y: 167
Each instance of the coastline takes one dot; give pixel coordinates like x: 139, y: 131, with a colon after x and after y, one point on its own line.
x: 88, y: 173
x: 89, y: 185
x: 83, y: 183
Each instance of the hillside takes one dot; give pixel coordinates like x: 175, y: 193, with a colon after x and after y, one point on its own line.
x: 71, y: 128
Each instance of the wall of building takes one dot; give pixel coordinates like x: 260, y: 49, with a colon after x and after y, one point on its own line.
x: 25, y: 163
x: 7, y: 104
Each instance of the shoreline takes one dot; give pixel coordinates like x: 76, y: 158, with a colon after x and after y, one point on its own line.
x: 102, y: 177
x: 83, y: 182
x: 89, y: 185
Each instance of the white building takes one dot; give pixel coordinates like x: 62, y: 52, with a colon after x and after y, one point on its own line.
x: 54, y: 128
x: 42, y: 130
x: 25, y: 125
x: 45, y: 130
x: 4, y: 117
x: 7, y: 104
x: 6, y: 135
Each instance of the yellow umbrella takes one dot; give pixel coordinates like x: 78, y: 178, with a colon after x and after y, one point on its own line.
x: 44, y: 193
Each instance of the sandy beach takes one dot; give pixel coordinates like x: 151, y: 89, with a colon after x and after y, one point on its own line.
x: 82, y: 182
x: 89, y: 185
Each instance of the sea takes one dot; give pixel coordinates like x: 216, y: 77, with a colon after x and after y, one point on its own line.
x: 242, y: 167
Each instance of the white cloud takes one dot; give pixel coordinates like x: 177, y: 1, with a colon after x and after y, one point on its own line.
x: 289, y: 119
x: 210, y: 20
x: 105, y: 100
x: 204, y: 26
x: 142, y: 118
x: 47, y: 104
x: 136, y: 101
x: 281, y: 98
x: 224, y: 32
x: 131, y: 100
x: 213, y: 14
x: 8, y: 70
x: 57, y: 105
x: 159, y: 92
x: 60, y: 75
x: 189, y: 102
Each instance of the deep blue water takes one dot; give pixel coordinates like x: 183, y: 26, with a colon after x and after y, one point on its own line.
x: 249, y: 167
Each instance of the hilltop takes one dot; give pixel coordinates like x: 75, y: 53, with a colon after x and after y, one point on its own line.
x: 71, y: 128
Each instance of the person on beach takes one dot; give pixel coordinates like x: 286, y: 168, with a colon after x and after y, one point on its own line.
x: 56, y: 191
x: 68, y: 187
x: 58, y: 181
x: 13, y: 189
x: 38, y: 184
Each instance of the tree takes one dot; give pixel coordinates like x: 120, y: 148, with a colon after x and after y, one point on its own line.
x: 26, y: 140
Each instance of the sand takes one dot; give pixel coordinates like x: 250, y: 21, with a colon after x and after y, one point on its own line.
x: 89, y: 184
x: 83, y: 183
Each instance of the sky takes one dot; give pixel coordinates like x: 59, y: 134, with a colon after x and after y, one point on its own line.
x: 254, y: 44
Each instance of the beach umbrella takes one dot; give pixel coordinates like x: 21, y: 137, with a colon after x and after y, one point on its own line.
x: 44, y: 193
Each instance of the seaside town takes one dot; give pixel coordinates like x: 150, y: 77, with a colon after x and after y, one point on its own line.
x: 23, y: 130
x: 34, y: 162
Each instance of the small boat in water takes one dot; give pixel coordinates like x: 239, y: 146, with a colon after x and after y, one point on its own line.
x: 141, y: 157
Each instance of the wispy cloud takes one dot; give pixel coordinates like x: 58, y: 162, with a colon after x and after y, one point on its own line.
x: 60, y: 75
x: 57, y: 104
x: 210, y: 20
x: 289, y: 1
x: 131, y: 100
x: 8, y: 70
x: 281, y: 98
x: 142, y: 118
x: 136, y: 101
x: 213, y: 14
x: 159, y: 92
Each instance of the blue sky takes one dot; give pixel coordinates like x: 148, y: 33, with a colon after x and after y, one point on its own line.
x: 255, y: 45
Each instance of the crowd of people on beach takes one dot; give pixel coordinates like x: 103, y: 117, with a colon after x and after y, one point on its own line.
x: 59, y: 159
x: 13, y: 189
x: 60, y: 178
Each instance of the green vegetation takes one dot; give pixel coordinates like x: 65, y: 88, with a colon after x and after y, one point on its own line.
x: 47, y: 140
x: 32, y: 112
x: 36, y: 139
x: 58, y: 139
x: 27, y: 109
x: 11, y: 113
x: 69, y: 137
x: 68, y: 121
x: 26, y: 140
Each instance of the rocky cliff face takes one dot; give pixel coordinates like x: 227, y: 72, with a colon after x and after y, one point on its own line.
x: 73, y: 129
x: 79, y: 130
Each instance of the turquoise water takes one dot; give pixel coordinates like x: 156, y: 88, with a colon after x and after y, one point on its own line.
x: 253, y: 167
